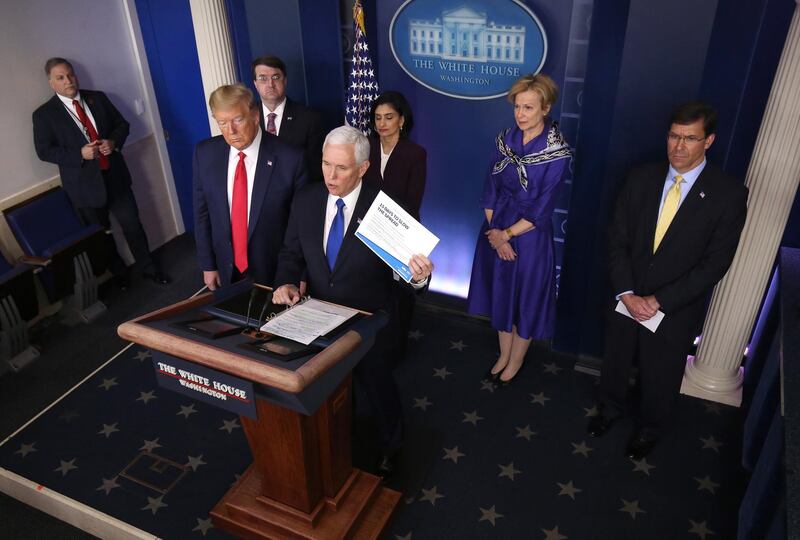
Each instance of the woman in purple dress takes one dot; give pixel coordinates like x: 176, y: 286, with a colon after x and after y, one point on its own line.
x: 513, y: 273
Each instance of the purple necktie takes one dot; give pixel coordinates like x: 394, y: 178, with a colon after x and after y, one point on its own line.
x: 271, y: 123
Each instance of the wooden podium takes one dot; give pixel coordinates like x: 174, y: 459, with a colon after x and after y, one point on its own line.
x: 301, y: 483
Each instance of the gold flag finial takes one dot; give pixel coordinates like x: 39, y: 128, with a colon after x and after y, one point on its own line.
x: 358, y: 16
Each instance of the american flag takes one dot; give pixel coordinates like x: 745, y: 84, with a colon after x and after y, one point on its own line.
x: 362, y: 87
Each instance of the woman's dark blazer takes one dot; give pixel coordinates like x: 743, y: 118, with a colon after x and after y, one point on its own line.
x: 404, y: 177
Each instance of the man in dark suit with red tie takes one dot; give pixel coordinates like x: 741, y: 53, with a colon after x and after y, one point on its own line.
x: 82, y: 132
x: 292, y: 122
x: 673, y: 236
x: 321, y: 244
x: 243, y: 184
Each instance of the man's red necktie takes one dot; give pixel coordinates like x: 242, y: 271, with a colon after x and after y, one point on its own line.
x: 239, y: 216
x: 104, y: 162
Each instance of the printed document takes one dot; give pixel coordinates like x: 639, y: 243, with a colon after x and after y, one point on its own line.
x: 651, y: 323
x: 307, y: 321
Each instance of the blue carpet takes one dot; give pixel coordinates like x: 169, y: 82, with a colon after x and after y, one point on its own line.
x: 479, y: 461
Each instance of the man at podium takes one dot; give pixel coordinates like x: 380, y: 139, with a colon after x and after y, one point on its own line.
x: 320, y: 239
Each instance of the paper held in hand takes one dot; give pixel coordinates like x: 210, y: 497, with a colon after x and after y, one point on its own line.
x: 307, y: 321
x: 651, y: 323
x: 394, y: 235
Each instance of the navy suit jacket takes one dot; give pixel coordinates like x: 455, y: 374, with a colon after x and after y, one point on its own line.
x: 58, y: 139
x: 359, y: 278
x: 404, y: 177
x: 302, y: 127
x: 280, y: 172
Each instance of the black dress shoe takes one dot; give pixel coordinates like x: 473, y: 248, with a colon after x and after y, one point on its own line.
x: 599, y: 424
x: 157, y: 277
x: 640, y: 446
x: 385, y: 466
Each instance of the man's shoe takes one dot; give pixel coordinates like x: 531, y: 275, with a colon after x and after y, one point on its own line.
x: 385, y: 466
x: 640, y: 446
x: 157, y: 277
x: 599, y: 424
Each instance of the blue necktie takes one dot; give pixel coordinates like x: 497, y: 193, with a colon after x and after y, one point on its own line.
x: 336, y: 234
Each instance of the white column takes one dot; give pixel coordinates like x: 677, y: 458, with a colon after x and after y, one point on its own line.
x: 214, y: 48
x: 772, y: 178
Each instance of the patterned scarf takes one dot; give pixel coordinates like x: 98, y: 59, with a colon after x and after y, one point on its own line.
x: 556, y: 148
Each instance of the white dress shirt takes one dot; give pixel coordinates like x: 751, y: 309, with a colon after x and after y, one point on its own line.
x: 250, y: 162
x: 74, y: 113
x: 278, y: 115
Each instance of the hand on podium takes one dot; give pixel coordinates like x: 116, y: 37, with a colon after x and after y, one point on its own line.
x: 287, y: 294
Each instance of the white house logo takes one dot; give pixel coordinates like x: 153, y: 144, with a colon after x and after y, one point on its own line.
x: 470, y: 51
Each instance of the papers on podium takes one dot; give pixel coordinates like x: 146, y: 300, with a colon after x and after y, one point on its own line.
x: 307, y: 321
x: 394, y: 235
x: 651, y: 323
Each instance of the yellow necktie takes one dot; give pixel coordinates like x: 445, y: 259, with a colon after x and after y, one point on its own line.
x: 668, y: 211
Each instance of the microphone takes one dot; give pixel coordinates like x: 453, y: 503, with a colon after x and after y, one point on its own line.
x: 253, y: 293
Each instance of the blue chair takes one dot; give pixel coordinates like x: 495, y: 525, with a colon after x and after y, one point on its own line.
x: 18, y: 305
x: 71, y: 255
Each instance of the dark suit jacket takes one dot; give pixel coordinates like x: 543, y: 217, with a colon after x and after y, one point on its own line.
x: 694, y: 254
x: 302, y: 127
x: 58, y: 139
x: 280, y: 172
x: 404, y: 177
x: 359, y: 280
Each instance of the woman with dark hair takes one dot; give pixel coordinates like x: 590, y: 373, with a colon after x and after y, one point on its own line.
x: 397, y: 166
x: 513, y: 273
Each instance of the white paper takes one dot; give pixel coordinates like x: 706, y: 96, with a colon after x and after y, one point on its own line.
x: 394, y: 235
x: 307, y: 321
x: 651, y: 323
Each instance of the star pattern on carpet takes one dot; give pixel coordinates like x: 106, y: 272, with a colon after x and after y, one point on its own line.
x: 186, y: 410
x: 142, y: 355
x: 553, y: 534
x: 581, y: 448
x: 713, y: 408
x: 68, y: 416
x: 422, y: 403
x: 700, y: 529
x: 489, y: 514
x: 431, y: 495
x: 108, y: 484
x: 552, y: 367
x: 144, y: 397
x: 457, y: 345
x: 642, y: 466
x: 404, y: 537
x: 706, y: 484
x: 711, y: 443
x: 108, y: 383
x: 568, y: 489
x: 416, y: 335
x: 108, y: 429
x: 488, y: 385
x: 453, y: 454
x: 230, y: 425
x: 591, y: 412
x: 66, y: 466
x: 25, y: 449
x: 154, y: 504
x: 472, y: 417
x: 149, y: 446
x: 442, y: 372
x: 203, y: 526
x: 195, y: 462
x: 508, y: 471
x: 525, y: 432
x: 631, y: 508
x: 539, y: 398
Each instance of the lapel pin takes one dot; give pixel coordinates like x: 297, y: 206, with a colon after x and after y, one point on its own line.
x: 358, y: 221
x: 702, y: 194
x: 288, y: 117
x: 269, y: 164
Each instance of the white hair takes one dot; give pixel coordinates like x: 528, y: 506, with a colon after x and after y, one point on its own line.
x: 349, y: 135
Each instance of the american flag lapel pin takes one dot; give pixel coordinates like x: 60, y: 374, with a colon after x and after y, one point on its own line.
x: 269, y: 163
x: 358, y: 221
x: 288, y: 117
x: 702, y: 194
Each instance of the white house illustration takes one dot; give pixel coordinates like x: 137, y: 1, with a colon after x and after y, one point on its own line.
x: 465, y: 34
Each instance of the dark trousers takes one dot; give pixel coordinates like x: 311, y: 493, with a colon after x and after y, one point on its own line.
x: 405, y: 299
x: 374, y: 377
x: 661, y: 367
x: 121, y: 202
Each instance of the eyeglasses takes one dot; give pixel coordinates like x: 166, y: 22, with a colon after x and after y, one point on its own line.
x: 274, y: 78
x: 688, y: 139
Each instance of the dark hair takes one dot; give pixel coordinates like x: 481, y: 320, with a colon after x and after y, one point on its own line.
x: 399, y: 103
x: 691, y: 112
x: 56, y: 61
x: 269, y: 61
